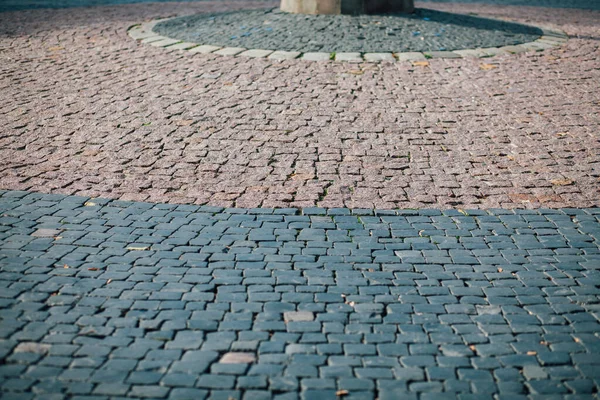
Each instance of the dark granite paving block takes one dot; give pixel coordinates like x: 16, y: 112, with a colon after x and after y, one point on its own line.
x: 426, y: 30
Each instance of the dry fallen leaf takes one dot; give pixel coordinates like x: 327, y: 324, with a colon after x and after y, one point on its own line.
x: 92, y: 269
x: 487, y: 67
x: 89, y: 204
x: 463, y: 212
x: 184, y: 122
x: 356, y: 72
x: 341, y: 393
x: 544, y: 343
x: 531, y: 353
x: 134, y: 248
x: 66, y: 266
x: 562, y: 182
x: 108, y: 281
x: 500, y: 269
x: 577, y: 340
x: 561, y: 134
x: 420, y: 63
x: 56, y: 48
x: 472, y: 347
x: 511, y: 158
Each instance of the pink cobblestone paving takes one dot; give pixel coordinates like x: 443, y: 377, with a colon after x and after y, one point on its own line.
x: 86, y: 110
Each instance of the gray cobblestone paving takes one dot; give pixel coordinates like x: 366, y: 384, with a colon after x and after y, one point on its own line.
x: 114, y: 299
x: 422, y: 31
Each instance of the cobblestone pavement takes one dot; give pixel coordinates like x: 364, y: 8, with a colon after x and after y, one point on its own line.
x: 104, y: 298
x: 123, y: 299
x: 86, y: 110
x: 424, y: 30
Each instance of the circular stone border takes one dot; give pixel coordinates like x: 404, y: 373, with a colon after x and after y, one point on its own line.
x: 144, y: 33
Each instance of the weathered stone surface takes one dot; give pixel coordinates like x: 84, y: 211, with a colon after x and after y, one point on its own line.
x: 204, y: 49
x: 164, y: 42
x: 376, y: 57
x: 514, y: 49
x: 298, y: 316
x: 32, y: 347
x: 474, y: 53
x: 410, y: 56
x: 44, y: 232
x: 351, y: 57
x: 237, y: 358
x: 230, y: 51
x: 256, y: 53
x: 284, y: 55
x: 153, y: 38
x: 442, y: 54
x: 316, y: 56
x: 182, y: 46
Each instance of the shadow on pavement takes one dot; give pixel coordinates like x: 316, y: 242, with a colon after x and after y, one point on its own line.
x: 582, y: 4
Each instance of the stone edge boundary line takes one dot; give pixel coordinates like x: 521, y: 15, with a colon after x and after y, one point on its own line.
x: 144, y: 33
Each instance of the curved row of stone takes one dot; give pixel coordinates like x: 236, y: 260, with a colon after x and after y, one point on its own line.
x: 145, y: 34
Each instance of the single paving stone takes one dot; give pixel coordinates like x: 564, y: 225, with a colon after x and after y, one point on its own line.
x: 32, y: 347
x: 377, y: 57
x: 148, y: 391
x: 283, y: 55
x: 238, y: 358
x: 229, y: 51
x: 534, y: 372
x: 187, y: 393
x: 298, y: 316
x: 204, y: 49
x: 474, y: 53
x: 207, y: 381
x: 256, y: 53
x: 349, y: 57
x: 410, y: 56
x: 45, y: 232
x: 315, y: 56
x: 514, y: 49
x: 164, y: 42
x: 182, y: 46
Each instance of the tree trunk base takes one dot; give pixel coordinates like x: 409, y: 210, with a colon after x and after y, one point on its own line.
x: 352, y: 7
